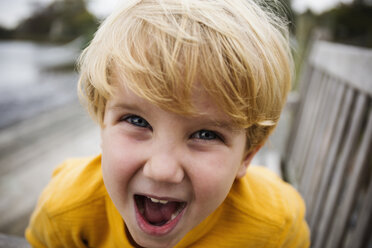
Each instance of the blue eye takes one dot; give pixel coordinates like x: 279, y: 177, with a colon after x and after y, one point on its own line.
x: 137, y: 121
x: 205, y: 135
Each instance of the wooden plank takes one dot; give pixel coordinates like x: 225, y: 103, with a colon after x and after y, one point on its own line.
x: 354, y: 179
x: 303, y: 89
x: 340, y: 61
x: 328, y: 215
x: 315, y: 139
x: 10, y: 241
x: 309, y: 99
x: 365, y: 217
x: 309, y: 126
x: 314, y: 218
x: 316, y: 157
x: 329, y: 124
x: 294, y: 161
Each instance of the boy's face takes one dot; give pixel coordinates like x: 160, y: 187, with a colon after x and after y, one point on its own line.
x: 165, y: 172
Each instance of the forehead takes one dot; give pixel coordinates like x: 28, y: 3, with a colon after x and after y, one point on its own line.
x: 203, y: 105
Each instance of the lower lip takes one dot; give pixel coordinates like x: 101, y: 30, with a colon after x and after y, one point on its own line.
x: 157, y: 230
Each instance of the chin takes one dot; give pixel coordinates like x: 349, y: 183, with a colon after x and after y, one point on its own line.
x: 156, y: 243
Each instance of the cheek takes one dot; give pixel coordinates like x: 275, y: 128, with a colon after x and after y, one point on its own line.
x: 119, y: 163
x: 213, y: 176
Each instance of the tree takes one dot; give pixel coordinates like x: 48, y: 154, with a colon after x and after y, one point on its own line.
x: 60, y: 21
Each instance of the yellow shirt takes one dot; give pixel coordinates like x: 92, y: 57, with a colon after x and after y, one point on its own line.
x: 75, y: 210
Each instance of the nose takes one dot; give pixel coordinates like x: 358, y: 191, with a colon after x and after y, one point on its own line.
x: 164, y: 167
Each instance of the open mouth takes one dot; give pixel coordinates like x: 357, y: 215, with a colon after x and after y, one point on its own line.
x: 157, y: 216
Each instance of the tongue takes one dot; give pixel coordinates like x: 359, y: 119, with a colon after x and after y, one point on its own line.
x: 157, y: 212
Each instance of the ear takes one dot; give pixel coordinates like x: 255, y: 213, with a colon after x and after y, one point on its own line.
x: 101, y: 130
x: 246, y: 161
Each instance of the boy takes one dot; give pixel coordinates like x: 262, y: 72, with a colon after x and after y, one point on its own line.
x: 186, y: 92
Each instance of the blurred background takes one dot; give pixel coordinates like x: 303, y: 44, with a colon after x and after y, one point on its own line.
x: 41, y: 120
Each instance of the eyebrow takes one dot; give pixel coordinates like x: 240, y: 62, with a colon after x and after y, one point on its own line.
x: 199, y: 120
x: 224, y: 124
x: 121, y: 105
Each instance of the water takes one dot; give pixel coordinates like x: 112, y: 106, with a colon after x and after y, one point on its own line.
x: 27, y: 87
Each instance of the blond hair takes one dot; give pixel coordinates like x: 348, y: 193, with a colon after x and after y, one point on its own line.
x: 235, y: 50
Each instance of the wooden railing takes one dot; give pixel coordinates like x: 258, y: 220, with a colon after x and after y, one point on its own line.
x: 329, y: 152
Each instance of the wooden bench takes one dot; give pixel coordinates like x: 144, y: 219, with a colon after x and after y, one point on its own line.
x: 329, y: 154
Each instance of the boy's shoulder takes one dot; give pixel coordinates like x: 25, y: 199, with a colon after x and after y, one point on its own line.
x: 75, y: 183
x: 268, y: 196
x: 260, y: 184
x: 269, y: 206
x: 72, y: 208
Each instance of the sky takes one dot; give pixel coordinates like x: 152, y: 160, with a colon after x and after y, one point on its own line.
x: 13, y: 11
x: 316, y: 6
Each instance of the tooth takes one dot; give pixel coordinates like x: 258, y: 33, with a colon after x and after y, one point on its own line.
x: 177, y: 212
x: 174, y: 215
x: 154, y: 200
x: 163, y: 201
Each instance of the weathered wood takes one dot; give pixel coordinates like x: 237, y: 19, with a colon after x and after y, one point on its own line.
x: 352, y: 64
x: 342, y: 163
x: 329, y: 151
x: 365, y: 219
x: 303, y: 87
x: 314, y: 106
x: 316, y: 137
x: 351, y: 191
x: 334, y: 103
x: 316, y: 212
x: 68, y: 130
x: 10, y: 241
x: 294, y: 159
x: 295, y: 130
x: 304, y: 122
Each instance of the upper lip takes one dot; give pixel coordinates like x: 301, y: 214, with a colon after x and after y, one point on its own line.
x: 164, y: 198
